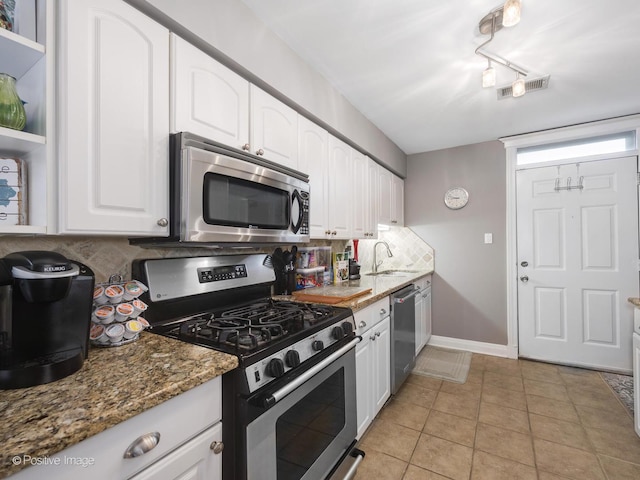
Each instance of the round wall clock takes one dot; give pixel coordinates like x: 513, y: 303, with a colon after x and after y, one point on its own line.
x: 456, y: 198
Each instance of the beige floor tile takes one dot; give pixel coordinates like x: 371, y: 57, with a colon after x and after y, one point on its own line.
x: 613, y: 418
x: 603, y: 399
x: 618, y: 469
x: 504, y: 417
x: 559, y: 431
x: 460, y: 405
x: 425, y: 382
x: 392, y: 439
x: 552, y: 408
x: 542, y: 374
x: 398, y: 412
x: 416, y: 395
x: 546, y: 389
x: 503, y: 381
x: 567, y: 461
x: 504, y: 397
x: 503, y: 366
x: 582, y: 378
x: 443, y: 457
x: 475, y: 376
x: 451, y: 427
x: 380, y: 466
x: 417, y: 473
x: 621, y: 443
x: 505, y: 443
x: 550, y: 476
x: 489, y: 467
x: 470, y: 389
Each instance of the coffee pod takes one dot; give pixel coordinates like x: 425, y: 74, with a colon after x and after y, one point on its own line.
x: 143, y: 322
x: 99, y: 296
x: 104, y: 314
x: 98, y: 334
x: 132, y: 328
x: 124, y: 311
x: 132, y: 290
x: 114, y: 293
x: 138, y: 307
x: 115, y: 332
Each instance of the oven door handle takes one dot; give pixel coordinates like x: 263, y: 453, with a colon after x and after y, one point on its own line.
x: 273, y: 398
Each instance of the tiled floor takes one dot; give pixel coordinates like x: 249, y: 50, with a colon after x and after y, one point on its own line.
x: 511, y: 420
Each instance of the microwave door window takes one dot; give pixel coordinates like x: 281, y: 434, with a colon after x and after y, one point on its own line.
x: 236, y: 202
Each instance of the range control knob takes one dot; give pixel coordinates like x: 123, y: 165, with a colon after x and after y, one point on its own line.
x: 292, y: 358
x: 347, y: 327
x: 317, y: 345
x: 337, y: 333
x: 275, y: 368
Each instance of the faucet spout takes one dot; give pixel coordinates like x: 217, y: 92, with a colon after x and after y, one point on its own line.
x: 376, y: 264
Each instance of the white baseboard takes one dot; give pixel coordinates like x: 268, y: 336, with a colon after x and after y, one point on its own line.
x: 494, y: 349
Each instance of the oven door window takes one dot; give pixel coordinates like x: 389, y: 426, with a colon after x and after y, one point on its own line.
x: 306, y: 429
x: 236, y: 202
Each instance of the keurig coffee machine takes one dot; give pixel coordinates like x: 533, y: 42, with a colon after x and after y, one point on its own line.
x: 45, y: 313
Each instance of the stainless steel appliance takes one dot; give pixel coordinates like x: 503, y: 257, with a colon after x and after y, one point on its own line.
x: 403, y: 335
x: 222, y: 195
x: 45, y: 312
x: 289, y: 410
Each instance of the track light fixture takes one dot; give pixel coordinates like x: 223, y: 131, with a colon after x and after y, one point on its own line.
x: 505, y: 15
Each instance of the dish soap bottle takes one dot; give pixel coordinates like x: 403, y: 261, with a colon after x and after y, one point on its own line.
x: 12, y: 114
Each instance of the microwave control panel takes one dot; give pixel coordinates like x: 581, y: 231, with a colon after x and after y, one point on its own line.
x: 227, y: 272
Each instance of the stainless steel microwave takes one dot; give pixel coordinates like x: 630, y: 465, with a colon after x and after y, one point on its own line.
x: 219, y: 195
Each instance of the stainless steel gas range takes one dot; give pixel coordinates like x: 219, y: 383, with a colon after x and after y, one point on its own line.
x: 289, y: 410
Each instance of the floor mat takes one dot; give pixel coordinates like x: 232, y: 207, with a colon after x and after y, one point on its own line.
x: 622, y: 386
x: 451, y: 365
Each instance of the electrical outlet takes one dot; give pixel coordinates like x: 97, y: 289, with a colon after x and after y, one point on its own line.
x: 488, y: 238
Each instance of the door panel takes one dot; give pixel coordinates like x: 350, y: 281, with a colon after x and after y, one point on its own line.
x: 578, y: 262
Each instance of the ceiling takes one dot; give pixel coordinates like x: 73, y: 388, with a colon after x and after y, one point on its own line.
x: 409, y: 66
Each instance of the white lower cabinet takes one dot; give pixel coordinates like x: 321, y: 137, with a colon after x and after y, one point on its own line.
x: 187, y: 426
x: 373, y: 381
x: 636, y: 379
x: 423, y: 313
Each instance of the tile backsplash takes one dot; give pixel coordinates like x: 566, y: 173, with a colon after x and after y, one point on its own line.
x: 113, y: 255
x: 409, y: 251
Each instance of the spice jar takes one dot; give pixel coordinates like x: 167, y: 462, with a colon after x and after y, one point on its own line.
x: 12, y: 114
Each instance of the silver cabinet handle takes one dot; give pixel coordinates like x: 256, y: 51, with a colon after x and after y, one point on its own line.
x: 260, y: 152
x: 383, y: 311
x: 525, y: 264
x: 524, y: 279
x: 246, y: 147
x: 394, y: 221
x: 362, y: 324
x: 163, y: 222
x: 377, y: 334
x: 334, y: 232
x: 372, y: 338
x: 142, y: 444
x: 216, y: 446
x: 327, y: 232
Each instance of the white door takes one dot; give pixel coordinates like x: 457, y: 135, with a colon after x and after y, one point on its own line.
x: 578, y: 262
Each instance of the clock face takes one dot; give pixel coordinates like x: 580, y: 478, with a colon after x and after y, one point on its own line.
x: 456, y: 198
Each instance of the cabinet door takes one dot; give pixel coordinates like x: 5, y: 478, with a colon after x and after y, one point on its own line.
x: 114, y: 120
x: 384, y: 196
x: 195, y: 460
x: 340, y: 188
x: 359, y: 195
x: 364, y: 384
x: 207, y: 98
x: 312, y: 160
x: 273, y: 129
x: 426, y: 314
x: 397, y: 201
x: 372, y: 202
x: 382, y: 362
x: 420, y: 326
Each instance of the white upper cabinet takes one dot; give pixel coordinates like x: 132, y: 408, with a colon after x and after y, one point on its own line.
x: 371, y: 211
x: 340, y: 189
x: 274, y: 129
x: 360, y: 201
x: 114, y: 120
x: 390, y: 198
x: 312, y: 159
x: 397, y: 201
x: 207, y: 98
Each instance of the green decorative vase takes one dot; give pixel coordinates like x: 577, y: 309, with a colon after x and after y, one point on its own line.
x: 12, y: 114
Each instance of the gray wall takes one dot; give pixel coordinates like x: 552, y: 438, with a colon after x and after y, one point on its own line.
x: 249, y: 47
x: 469, y: 284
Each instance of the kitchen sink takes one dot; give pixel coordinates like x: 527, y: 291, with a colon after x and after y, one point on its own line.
x: 391, y: 273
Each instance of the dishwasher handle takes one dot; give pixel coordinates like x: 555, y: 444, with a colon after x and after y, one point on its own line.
x: 403, y: 299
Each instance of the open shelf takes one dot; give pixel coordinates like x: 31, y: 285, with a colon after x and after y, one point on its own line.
x: 18, y: 54
x: 18, y: 143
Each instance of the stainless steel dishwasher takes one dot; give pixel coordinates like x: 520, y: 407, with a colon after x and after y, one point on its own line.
x: 403, y: 335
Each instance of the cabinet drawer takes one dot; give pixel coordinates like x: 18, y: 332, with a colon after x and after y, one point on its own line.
x: 371, y: 315
x: 177, y: 420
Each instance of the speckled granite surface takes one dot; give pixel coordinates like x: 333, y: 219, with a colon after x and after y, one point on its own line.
x: 113, y: 385
x: 380, y: 285
x: 635, y: 301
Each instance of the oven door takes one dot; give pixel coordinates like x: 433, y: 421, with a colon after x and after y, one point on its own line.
x: 309, y: 430
x: 229, y: 199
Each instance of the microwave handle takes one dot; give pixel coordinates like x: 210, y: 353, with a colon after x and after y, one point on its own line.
x: 296, y: 197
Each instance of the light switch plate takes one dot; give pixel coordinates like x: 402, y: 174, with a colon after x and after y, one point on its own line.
x: 488, y: 238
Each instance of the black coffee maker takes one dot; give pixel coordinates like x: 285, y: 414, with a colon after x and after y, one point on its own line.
x: 45, y: 315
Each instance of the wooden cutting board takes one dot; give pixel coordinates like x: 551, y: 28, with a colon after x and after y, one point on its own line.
x: 330, y: 294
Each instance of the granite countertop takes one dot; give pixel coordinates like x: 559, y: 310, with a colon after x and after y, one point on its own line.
x: 113, y: 385
x: 635, y: 301
x: 380, y: 285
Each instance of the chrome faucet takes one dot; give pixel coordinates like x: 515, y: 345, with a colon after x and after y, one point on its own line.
x: 376, y: 264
